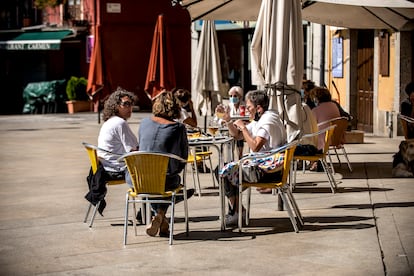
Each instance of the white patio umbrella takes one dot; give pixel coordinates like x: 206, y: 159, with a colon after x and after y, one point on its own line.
x: 207, y: 74
x: 397, y: 15
x: 277, y: 59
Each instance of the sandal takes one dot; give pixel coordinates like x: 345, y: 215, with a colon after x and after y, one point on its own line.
x: 155, y: 225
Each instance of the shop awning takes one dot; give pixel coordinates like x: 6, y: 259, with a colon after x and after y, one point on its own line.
x: 46, y: 40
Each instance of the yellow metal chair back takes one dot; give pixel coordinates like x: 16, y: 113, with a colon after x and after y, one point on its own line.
x: 148, y: 172
x: 280, y: 186
x: 337, y: 140
x: 319, y: 156
x: 93, y: 157
x: 94, y: 161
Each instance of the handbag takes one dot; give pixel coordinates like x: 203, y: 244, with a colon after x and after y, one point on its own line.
x: 252, y: 173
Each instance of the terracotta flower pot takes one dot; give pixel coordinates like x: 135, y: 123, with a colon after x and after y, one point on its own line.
x: 78, y: 106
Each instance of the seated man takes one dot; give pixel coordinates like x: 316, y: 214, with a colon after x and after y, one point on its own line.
x: 265, y: 132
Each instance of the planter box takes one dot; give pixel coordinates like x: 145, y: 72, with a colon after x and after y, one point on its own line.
x: 354, y: 137
x: 78, y: 106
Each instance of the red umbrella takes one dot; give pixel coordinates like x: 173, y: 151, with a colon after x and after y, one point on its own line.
x: 160, y: 74
x: 95, y: 75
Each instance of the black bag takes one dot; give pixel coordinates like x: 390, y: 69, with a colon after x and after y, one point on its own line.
x: 252, y: 174
x: 305, y: 150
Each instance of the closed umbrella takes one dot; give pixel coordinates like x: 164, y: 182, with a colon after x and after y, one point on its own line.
x: 207, y: 73
x: 160, y: 74
x: 277, y: 59
x: 96, y: 80
x: 95, y: 73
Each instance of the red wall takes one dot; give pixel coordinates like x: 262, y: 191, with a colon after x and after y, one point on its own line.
x: 127, y: 39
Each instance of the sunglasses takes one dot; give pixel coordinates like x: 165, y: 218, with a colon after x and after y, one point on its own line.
x: 126, y: 103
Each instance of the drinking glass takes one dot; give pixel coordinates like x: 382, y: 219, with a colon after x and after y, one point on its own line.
x: 213, y: 127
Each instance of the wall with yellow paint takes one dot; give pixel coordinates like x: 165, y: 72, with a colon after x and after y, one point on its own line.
x: 386, y: 83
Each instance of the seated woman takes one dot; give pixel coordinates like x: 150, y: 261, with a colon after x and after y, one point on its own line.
x: 161, y: 133
x: 188, y: 115
x: 265, y: 132
x: 236, y: 100
x: 324, y: 110
x: 115, y: 135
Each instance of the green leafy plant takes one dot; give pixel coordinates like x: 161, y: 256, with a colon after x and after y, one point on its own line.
x: 76, y: 89
x: 41, y: 4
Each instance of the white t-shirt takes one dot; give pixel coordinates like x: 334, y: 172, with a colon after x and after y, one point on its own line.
x: 115, y: 136
x: 270, y: 127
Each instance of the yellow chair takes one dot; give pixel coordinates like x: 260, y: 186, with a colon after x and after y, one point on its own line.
x: 281, y: 186
x: 405, y: 120
x: 148, y: 172
x: 337, y: 141
x: 206, y: 155
x: 94, y: 160
x: 328, y: 132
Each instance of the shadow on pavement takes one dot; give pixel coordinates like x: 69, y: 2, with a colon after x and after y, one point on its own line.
x: 375, y: 205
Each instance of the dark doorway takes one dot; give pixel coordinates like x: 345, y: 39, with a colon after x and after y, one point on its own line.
x: 365, y: 80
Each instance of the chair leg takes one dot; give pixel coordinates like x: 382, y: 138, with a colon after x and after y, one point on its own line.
x: 134, y: 218
x: 337, y: 157
x: 87, y: 213
x: 187, y: 228
x: 331, y: 179
x: 330, y: 162
x: 198, y: 177
x: 249, y: 193
x: 295, y: 206
x: 95, y: 210
x: 240, y: 218
x: 212, y: 172
x: 289, y: 210
x: 172, y: 219
x: 347, y: 160
x: 295, y: 168
x: 126, y: 218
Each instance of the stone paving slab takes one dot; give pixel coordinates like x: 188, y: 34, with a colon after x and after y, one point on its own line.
x: 364, y: 229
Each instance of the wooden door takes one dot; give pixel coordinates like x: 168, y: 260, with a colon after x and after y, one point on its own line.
x: 365, y: 78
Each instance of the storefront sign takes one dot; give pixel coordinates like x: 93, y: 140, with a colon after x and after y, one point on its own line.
x: 337, y: 61
x: 30, y: 45
x: 113, y: 7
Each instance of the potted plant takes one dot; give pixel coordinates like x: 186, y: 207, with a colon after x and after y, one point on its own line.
x: 78, y: 100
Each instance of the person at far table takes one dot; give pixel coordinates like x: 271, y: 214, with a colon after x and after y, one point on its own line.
x: 188, y: 115
x: 235, y: 106
x: 324, y: 110
x: 162, y: 133
x: 264, y: 132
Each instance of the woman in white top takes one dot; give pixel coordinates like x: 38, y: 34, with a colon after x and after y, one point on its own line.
x: 115, y: 135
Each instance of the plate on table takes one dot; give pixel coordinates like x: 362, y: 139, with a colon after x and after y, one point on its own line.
x: 244, y: 118
x: 201, y: 138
